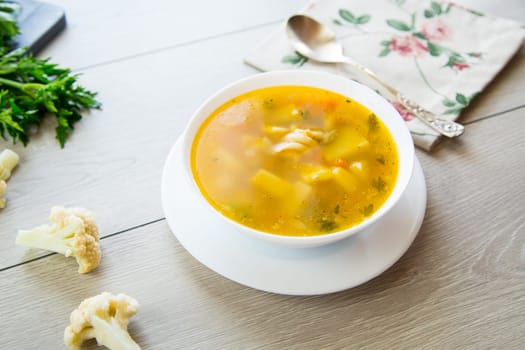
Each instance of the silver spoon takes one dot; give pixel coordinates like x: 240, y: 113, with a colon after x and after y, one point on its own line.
x: 318, y: 42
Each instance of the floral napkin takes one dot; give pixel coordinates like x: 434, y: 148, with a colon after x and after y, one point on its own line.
x: 438, y: 54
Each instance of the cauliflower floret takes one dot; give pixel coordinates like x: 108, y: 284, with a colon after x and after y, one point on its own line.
x: 104, y: 317
x: 60, y: 216
x: 73, y: 232
x: 8, y: 160
x: 3, y: 186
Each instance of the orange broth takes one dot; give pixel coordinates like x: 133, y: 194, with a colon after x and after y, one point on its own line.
x: 294, y: 160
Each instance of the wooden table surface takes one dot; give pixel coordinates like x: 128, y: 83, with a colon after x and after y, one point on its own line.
x: 461, y: 285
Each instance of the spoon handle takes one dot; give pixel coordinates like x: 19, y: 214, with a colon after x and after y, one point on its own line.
x: 445, y: 127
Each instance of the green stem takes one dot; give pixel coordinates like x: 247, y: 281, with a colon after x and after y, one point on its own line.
x: 22, y: 87
x: 32, y: 86
x: 7, y: 71
x: 426, y: 80
x: 11, y: 83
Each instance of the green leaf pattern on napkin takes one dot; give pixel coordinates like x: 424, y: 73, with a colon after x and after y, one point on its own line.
x: 456, y: 106
x: 295, y: 59
x: 427, y: 39
x: 347, y: 16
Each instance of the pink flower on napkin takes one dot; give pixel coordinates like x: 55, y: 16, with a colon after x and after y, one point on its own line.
x: 436, y: 30
x: 460, y: 65
x: 408, y: 46
x: 457, y: 62
x: 405, y: 113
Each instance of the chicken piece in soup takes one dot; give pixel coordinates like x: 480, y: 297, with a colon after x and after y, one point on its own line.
x: 294, y: 160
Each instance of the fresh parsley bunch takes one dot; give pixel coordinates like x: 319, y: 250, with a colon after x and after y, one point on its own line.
x: 31, y: 88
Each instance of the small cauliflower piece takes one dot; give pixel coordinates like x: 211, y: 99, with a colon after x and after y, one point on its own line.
x: 8, y: 161
x: 104, y: 317
x: 73, y: 232
x: 3, y: 186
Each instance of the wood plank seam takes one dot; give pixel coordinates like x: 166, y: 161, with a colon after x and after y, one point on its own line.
x: 177, y: 46
x: 497, y: 114
x: 101, y: 238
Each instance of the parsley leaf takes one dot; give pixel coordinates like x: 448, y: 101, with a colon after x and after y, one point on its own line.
x: 327, y: 225
x: 368, y: 210
x: 379, y: 184
x: 380, y: 159
x: 373, y: 123
x: 31, y: 88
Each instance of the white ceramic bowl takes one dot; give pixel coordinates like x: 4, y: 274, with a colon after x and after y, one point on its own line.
x: 341, y: 85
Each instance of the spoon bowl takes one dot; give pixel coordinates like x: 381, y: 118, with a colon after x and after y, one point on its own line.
x: 314, y: 40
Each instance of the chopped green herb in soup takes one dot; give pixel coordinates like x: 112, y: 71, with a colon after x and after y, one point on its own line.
x: 294, y: 160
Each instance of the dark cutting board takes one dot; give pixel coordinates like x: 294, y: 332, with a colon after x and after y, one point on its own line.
x: 39, y: 22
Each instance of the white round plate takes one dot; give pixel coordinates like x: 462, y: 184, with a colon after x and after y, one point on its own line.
x: 286, y: 270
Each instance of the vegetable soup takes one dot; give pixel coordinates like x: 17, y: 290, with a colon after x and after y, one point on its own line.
x: 294, y: 160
